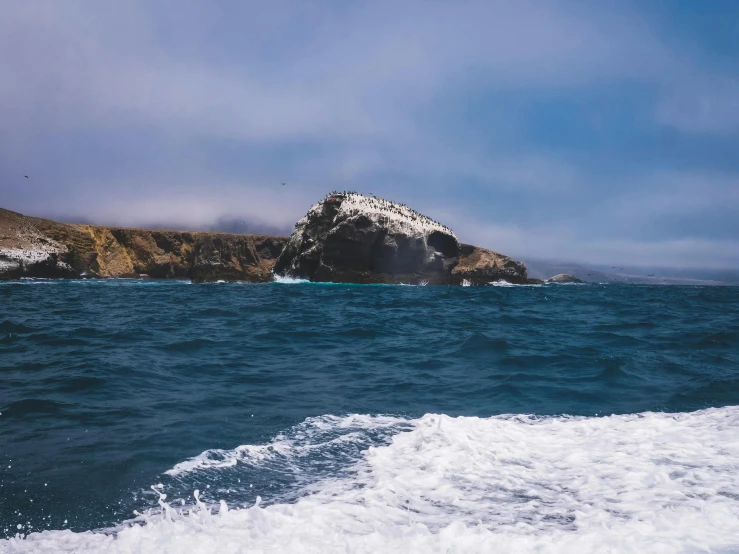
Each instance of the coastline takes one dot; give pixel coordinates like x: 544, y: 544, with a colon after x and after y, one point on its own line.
x: 412, y: 250
x: 36, y: 247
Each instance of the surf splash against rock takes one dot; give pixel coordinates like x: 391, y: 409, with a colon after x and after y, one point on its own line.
x: 351, y: 238
x: 345, y: 238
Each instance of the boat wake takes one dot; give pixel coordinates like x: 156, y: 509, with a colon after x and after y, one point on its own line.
x: 649, y: 482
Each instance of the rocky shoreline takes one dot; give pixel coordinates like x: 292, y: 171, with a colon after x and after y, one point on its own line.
x: 34, y: 247
x: 345, y: 238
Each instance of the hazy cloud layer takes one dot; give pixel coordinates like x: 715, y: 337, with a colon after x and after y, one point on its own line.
x: 593, y: 131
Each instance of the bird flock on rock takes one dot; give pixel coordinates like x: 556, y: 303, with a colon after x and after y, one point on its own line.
x: 393, y: 207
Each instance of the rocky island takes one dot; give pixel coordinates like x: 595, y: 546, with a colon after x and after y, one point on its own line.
x: 345, y: 238
x: 564, y: 278
x: 351, y: 238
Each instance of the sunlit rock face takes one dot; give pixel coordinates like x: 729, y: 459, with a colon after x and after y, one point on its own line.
x: 35, y: 247
x: 26, y: 252
x: 479, y: 266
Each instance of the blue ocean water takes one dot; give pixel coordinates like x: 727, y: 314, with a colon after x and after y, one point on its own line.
x: 112, y: 392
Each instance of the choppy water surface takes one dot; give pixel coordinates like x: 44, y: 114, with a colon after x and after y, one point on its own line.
x: 367, y: 418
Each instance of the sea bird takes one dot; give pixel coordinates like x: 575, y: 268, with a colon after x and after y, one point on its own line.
x: 26, y: 176
x: 283, y: 184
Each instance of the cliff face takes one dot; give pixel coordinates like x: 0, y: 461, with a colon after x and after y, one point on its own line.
x: 34, y: 247
x: 346, y: 238
x: 24, y: 250
x: 351, y: 238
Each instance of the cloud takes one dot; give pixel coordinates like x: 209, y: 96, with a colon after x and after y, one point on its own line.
x: 549, y: 116
x: 668, y: 219
x: 350, y: 73
x: 562, y: 243
x: 187, y: 204
x: 671, y: 192
x: 701, y: 104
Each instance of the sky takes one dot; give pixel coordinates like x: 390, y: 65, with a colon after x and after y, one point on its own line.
x: 601, y: 132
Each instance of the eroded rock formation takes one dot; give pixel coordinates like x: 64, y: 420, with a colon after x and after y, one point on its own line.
x: 348, y: 237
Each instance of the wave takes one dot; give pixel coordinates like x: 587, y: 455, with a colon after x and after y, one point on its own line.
x: 649, y: 482
x: 8, y: 326
x: 502, y: 283
x: 284, y: 280
x: 33, y: 406
x: 301, y: 448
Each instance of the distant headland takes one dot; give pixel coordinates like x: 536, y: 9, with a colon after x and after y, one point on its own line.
x: 346, y: 237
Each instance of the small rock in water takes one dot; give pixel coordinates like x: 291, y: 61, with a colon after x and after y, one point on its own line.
x: 564, y: 278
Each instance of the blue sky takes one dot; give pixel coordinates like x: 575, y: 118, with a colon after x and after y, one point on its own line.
x: 602, y: 132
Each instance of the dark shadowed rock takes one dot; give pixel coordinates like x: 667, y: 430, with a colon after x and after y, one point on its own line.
x: 348, y: 237
x: 564, y: 278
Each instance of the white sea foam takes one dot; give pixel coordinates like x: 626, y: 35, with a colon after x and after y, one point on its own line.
x: 502, y: 283
x: 649, y: 482
x: 283, y: 279
x: 313, y: 434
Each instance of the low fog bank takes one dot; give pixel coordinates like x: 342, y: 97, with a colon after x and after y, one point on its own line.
x: 234, y: 225
x: 598, y: 273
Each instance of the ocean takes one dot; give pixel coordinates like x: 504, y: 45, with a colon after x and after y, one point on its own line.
x: 163, y: 416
